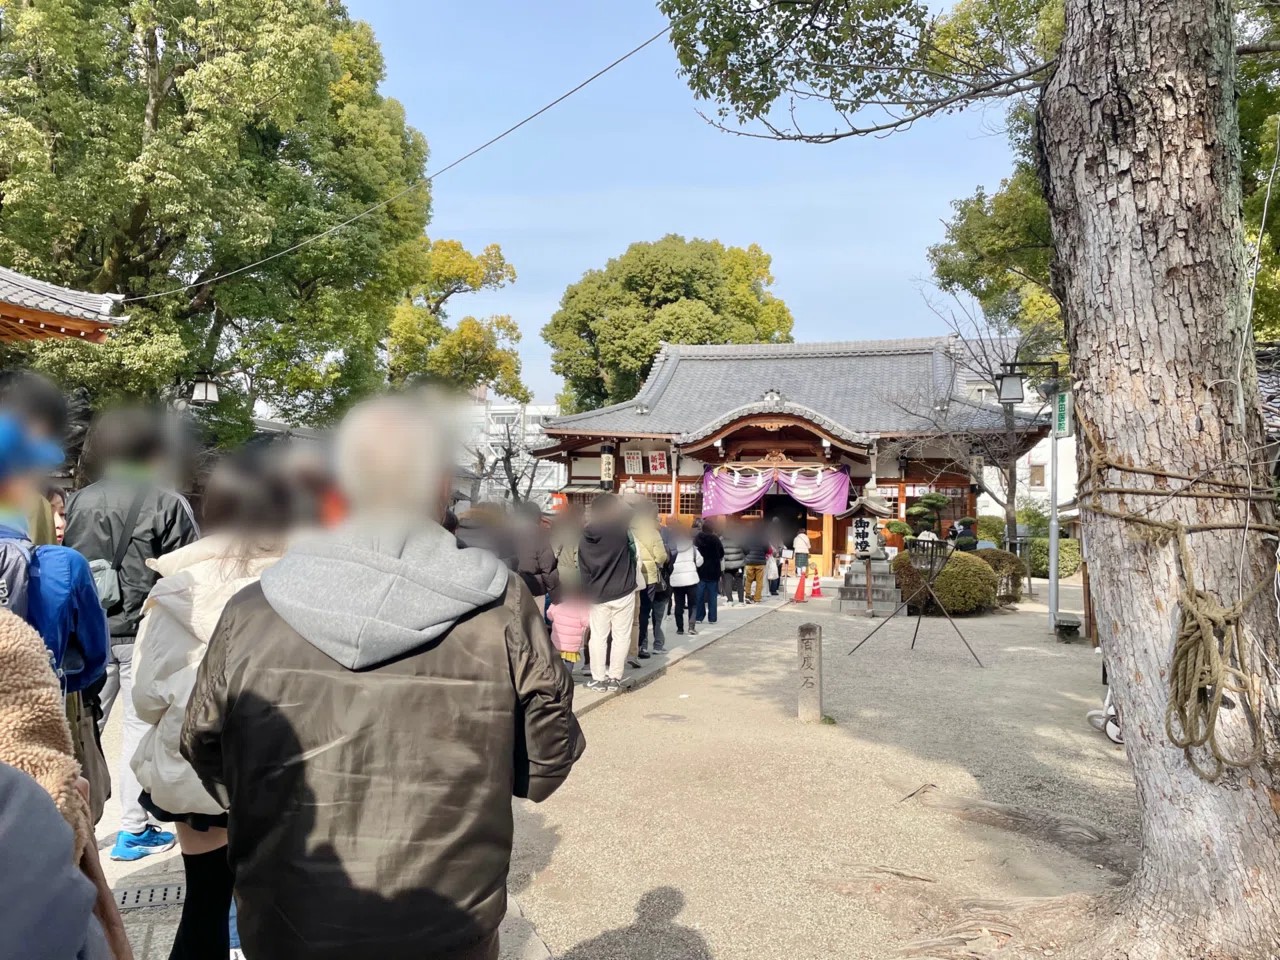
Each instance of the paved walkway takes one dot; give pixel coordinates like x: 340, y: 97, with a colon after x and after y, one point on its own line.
x: 705, y: 821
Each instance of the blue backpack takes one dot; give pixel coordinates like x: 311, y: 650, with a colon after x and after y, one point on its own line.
x: 52, y: 589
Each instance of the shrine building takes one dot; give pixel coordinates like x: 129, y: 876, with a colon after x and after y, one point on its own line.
x: 792, y: 431
x: 32, y: 309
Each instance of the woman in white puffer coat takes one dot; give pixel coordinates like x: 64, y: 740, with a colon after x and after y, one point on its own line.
x: 250, y: 504
x: 684, y: 576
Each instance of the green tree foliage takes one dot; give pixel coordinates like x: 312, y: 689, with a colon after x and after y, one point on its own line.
x: 612, y: 322
x: 1034, y: 515
x: 998, y: 245
x: 1069, y: 557
x: 475, y: 352
x: 927, y: 511
x: 991, y: 527
x: 151, y: 144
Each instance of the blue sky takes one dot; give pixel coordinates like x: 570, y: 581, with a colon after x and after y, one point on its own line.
x: 629, y: 159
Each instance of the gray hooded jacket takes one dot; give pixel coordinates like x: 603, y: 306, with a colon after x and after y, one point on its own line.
x: 366, y: 713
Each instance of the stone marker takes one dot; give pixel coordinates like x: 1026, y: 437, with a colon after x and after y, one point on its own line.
x: 810, y: 650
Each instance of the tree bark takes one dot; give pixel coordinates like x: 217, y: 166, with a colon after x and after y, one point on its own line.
x: 1140, y: 154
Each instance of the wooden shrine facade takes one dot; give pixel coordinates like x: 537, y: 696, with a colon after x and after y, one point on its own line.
x: 804, y: 409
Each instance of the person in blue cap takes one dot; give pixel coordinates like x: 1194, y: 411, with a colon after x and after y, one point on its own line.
x: 49, y: 586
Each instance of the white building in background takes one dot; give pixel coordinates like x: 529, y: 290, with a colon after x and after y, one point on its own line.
x: 493, y: 427
x: 1034, y: 476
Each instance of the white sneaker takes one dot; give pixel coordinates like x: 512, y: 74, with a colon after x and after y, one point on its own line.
x: 237, y: 954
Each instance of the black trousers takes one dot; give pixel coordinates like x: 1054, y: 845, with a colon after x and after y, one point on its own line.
x: 684, y: 599
x: 731, y: 581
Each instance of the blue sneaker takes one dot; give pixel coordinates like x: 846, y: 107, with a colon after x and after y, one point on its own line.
x: 135, y: 846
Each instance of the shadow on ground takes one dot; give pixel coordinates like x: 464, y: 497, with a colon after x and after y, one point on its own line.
x: 654, y: 935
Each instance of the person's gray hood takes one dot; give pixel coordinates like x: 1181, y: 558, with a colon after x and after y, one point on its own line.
x: 368, y: 594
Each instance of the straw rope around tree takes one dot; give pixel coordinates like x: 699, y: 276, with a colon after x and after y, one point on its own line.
x: 1212, y: 649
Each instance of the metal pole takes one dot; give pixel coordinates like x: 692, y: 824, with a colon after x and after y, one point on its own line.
x: 1053, y: 519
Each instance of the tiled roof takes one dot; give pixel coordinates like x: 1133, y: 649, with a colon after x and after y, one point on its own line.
x: 24, y: 291
x: 853, y: 389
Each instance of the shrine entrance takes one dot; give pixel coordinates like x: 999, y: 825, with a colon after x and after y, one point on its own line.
x: 790, y: 515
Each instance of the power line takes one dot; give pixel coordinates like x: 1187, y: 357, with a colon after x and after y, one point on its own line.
x: 430, y: 178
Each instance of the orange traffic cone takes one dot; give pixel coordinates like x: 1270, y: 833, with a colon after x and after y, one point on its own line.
x: 817, y: 584
x: 799, y: 597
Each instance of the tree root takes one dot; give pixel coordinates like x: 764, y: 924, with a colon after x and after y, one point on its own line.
x: 1076, y: 836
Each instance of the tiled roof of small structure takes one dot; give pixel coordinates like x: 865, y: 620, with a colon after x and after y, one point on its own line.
x: 23, y: 291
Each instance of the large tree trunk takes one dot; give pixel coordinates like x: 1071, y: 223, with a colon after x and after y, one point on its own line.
x: 1141, y: 168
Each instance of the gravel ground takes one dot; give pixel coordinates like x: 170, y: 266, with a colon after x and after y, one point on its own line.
x: 705, y: 821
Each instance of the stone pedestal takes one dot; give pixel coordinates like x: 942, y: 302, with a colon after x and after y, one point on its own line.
x: 885, y: 595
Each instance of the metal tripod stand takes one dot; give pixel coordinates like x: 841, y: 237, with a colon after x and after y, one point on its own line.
x: 928, y: 557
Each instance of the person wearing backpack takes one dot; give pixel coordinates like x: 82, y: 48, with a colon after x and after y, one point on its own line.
x: 119, y: 522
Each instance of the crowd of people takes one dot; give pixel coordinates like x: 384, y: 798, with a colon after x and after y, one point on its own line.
x: 329, y: 686
x: 612, y: 578
x: 327, y: 710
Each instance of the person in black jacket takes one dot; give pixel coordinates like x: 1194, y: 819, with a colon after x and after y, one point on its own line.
x: 756, y: 546
x: 712, y: 550
x: 607, y: 579
x: 126, y: 518
x: 535, y: 559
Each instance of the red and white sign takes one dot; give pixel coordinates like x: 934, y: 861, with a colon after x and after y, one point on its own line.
x: 632, y: 462
x: 658, y: 462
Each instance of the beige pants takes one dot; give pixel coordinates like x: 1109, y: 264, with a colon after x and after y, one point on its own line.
x: 616, y: 617
x: 755, y: 582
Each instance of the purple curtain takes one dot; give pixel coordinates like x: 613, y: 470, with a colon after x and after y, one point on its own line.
x: 727, y: 492
x: 826, y: 492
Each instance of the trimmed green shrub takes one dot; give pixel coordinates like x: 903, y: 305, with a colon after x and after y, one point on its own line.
x: 991, y: 527
x: 900, y: 527
x: 1068, y: 557
x: 1008, y: 567
x: 966, y: 544
x: 967, y: 522
x: 966, y: 584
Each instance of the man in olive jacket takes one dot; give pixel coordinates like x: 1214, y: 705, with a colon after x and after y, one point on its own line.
x: 366, y: 713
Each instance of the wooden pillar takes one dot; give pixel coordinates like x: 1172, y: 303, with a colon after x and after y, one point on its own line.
x: 828, y: 544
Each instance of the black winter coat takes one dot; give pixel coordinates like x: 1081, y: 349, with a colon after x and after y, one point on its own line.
x: 95, y: 524
x: 712, y: 551
x: 757, y: 550
x: 606, y: 562
x: 536, y: 561
x: 372, y: 807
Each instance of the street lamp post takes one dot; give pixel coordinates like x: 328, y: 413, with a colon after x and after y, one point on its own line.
x: 1009, y: 390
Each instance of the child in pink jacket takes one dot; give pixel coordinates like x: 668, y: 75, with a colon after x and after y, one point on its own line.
x: 569, y: 619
